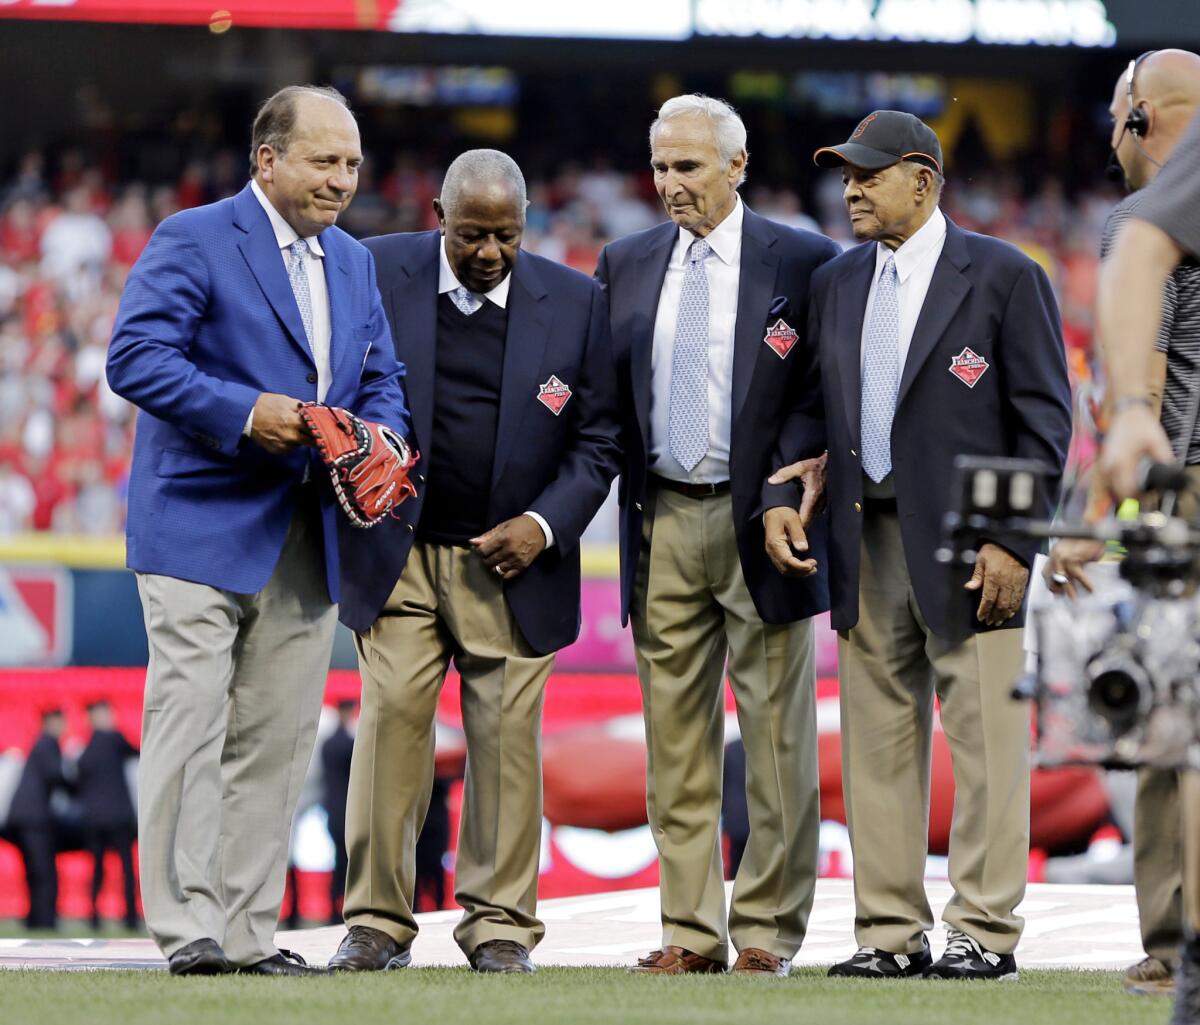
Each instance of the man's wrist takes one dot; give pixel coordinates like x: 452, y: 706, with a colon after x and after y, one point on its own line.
x: 1124, y: 402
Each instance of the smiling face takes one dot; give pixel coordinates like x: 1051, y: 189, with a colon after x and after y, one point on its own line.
x: 696, y: 190
x: 483, y: 232
x: 314, y: 179
x: 888, y: 205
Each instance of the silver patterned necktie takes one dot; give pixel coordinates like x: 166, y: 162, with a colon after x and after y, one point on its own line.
x: 689, y: 363
x: 466, y: 300
x: 881, y: 374
x: 298, y: 275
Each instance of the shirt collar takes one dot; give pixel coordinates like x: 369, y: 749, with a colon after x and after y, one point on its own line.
x: 285, y: 234
x: 725, y: 239
x: 448, y: 282
x: 912, y: 252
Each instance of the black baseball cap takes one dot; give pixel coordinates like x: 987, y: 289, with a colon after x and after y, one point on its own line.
x: 883, y: 138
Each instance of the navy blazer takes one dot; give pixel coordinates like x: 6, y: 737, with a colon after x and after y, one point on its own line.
x: 986, y: 296
x: 777, y: 263
x: 41, y: 775
x: 208, y: 322
x: 104, y: 796
x: 559, y: 466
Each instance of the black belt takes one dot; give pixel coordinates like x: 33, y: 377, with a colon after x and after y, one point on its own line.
x: 885, y: 505
x: 691, y: 490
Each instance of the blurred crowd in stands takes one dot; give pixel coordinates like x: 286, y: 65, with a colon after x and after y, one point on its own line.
x: 69, y: 234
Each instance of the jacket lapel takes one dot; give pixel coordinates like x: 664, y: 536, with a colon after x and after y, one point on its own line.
x: 261, y: 253
x: 337, y: 285
x: 529, y: 320
x: 412, y: 304
x: 756, y: 288
x: 947, y: 291
x: 850, y: 308
x: 651, y: 271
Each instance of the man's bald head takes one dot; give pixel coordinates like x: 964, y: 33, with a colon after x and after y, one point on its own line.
x: 1165, y: 87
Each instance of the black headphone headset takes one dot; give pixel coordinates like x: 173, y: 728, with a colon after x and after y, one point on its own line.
x: 1137, y: 120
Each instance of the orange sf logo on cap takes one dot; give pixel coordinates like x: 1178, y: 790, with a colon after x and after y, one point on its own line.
x: 862, y: 125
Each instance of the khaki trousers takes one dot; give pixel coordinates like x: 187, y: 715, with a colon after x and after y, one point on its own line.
x: 891, y: 667
x: 233, y: 695
x: 447, y: 604
x: 1158, y: 862
x: 691, y: 611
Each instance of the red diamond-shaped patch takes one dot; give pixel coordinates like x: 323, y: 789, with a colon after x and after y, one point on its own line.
x: 781, y: 337
x: 553, y: 395
x: 968, y: 366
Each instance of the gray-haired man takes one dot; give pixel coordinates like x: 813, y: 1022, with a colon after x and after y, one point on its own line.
x: 513, y: 400
x: 708, y: 316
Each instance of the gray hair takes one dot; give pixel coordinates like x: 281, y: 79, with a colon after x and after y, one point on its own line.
x: 939, y: 179
x: 480, y: 167
x: 729, y: 133
x: 276, y: 118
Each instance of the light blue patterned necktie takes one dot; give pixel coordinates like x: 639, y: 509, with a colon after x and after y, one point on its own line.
x: 466, y: 300
x: 881, y: 375
x: 298, y: 275
x: 689, y: 363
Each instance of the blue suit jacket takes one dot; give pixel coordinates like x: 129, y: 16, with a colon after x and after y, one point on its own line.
x: 777, y: 262
x: 207, y: 322
x: 985, y: 295
x: 560, y: 467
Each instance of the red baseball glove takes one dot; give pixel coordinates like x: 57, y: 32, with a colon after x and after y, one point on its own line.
x: 368, y: 463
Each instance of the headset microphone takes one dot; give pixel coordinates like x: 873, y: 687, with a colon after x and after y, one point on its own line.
x: 1137, y: 121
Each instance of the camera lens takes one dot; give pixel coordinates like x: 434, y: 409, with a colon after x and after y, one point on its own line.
x: 1116, y: 693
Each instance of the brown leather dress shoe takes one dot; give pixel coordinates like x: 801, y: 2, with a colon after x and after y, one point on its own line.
x: 369, y: 950
x: 756, y: 961
x: 677, y: 961
x: 501, y: 956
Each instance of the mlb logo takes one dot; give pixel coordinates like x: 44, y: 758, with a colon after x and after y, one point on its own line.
x: 781, y: 336
x: 35, y: 615
x: 554, y: 394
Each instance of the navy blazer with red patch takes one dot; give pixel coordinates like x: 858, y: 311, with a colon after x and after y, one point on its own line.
x: 776, y: 265
x: 559, y: 466
x: 986, y: 296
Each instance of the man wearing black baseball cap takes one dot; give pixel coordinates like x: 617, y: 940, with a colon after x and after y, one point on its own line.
x: 933, y: 342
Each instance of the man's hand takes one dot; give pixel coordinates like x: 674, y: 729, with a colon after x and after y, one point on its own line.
x: 784, y: 537
x: 1067, y: 559
x: 509, y: 547
x: 1001, y: 579
x: 277, y: 426
x: 810, y: 473
x: 1134, y: 435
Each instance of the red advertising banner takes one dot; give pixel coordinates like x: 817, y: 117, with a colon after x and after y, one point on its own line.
x: 218, y: 15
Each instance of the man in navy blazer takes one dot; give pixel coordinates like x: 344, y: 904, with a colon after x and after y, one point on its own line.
x: 708, y: 312
x: 933, y: 342
x: 236, y: 313
x: 512, y: 393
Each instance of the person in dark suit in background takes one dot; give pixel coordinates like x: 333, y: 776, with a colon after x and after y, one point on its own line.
x: 933, y: 342
x: 335, y: 781
x: 30, y: 822
x: 109, y: 821
x: 511, y: 385
x: 708, y: 312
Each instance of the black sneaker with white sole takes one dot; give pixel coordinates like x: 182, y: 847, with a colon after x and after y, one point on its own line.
x: 872, y: 963
x: 965, y: 958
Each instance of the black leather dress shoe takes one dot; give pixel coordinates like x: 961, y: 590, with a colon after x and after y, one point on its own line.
x: 501, y: 956
x: 369, y: 950
x: 200, y: 957
x: 286, y: 962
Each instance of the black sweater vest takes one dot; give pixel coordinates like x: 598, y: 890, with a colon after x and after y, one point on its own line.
x: 466, y: 409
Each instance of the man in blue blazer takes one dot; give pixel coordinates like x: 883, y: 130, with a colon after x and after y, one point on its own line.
x: 512, y: 392
x: 236, y: 313
x: 708, y: 312
x: 933, y: 342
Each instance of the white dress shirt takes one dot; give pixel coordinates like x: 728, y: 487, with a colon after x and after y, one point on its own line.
x: 448, y: 282
x: 724, y: 275
x: 915, y: 263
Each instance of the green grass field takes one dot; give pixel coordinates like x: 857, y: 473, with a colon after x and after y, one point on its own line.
x: 451, y: 996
